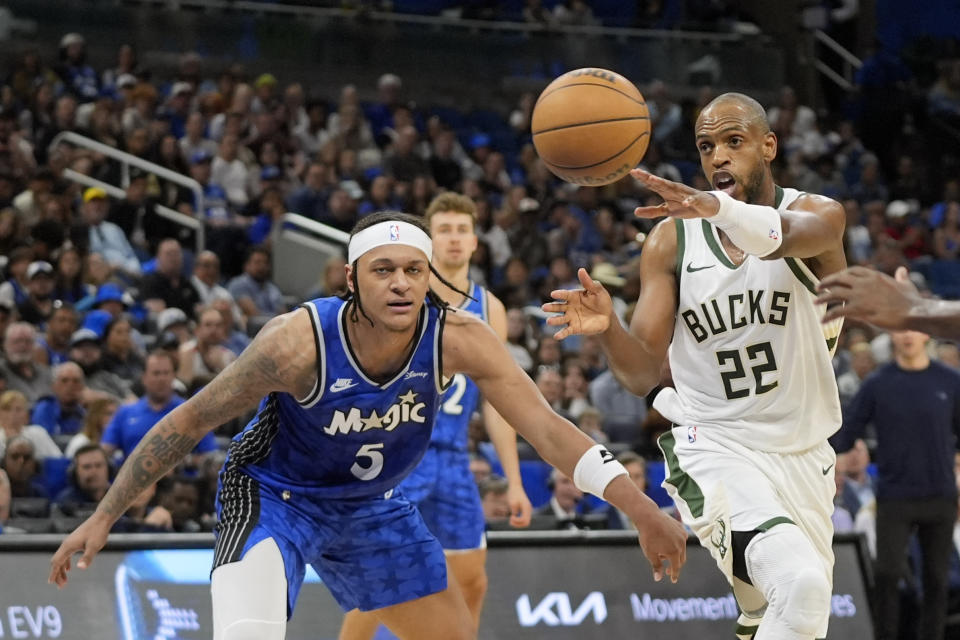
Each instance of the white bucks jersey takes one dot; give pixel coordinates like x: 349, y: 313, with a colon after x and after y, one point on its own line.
x: 750, y: 358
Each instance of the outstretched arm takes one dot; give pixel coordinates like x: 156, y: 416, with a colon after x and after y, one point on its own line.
x: 471, y: 347
x: 502, y: 435
x: 893, y: 304
x: 634, y: 356
x: 277, y: 360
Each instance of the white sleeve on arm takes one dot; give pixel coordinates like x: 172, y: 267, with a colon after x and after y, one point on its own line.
x: 756, y: 229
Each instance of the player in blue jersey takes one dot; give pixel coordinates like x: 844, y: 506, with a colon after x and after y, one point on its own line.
x: 442, y: 487
x: 348, y: 390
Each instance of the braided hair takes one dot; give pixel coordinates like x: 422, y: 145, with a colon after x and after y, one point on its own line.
x: 393, y: 216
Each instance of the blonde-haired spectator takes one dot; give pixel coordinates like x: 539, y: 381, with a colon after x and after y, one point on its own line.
x: 99, y: 413
x: 13, y: 422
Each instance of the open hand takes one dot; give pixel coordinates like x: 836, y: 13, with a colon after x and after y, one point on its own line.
x: 582, y: 311
x: 664, y: 543
x: 679, y: 200
x: 88, y: 539
x: 870, y: 296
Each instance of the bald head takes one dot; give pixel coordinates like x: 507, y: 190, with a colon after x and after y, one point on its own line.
x: 750, y: 111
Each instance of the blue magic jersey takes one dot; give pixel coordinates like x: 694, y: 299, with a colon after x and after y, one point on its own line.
x: 460, y: 399
x: 350, y: 437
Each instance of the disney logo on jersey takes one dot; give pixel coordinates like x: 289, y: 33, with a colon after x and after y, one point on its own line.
x: 406, y: 411
x: 415, y: 374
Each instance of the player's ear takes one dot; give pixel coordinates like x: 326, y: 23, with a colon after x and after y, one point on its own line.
x: 349, y: 270
x: 769, y: 146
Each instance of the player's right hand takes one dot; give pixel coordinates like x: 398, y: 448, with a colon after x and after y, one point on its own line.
x: 581, y: 311
x: 664, y: 542
x: 87, y: 539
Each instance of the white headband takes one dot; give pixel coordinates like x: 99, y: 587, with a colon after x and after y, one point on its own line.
x: 389, y: 232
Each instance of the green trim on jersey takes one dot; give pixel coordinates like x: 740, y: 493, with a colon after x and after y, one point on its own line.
x: 801, y: 276
x: 772, y: 522
x: 831, y: 343
x: 746, y: 632
x: 777, y: 196
x: 715, y: 246
x: 686, y: 486
x: 681, y: 246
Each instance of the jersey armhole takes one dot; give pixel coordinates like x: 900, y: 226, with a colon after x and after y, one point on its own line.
x: 681, y: 245
x: 314, y: 396
x: 438, y: 379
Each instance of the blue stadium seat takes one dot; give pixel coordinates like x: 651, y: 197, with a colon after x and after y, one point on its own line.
x: 945, y: 278
x: 55, y: 475
x: 656, y: 471
x: 535, y: 475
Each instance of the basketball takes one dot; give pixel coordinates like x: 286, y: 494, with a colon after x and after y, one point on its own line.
x: 591, y: 126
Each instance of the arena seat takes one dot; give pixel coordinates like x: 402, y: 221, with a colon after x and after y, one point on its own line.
x: 656, y: 472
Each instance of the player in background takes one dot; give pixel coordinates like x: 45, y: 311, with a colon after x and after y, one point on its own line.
x: 340, y: 422
x: 889, y: 303
x: 441, y: 486
x: 728, y: 294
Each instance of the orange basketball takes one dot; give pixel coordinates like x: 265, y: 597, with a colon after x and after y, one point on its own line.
x: 591, y: 126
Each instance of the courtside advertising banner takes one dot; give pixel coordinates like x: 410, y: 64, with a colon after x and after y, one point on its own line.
x: 542, y: 585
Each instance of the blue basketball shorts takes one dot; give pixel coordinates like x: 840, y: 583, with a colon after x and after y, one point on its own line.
x: 444, y: 491
x: 371, y: 552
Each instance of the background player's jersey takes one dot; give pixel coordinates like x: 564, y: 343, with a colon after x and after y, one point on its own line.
x: 460, y: 399
x: 750, y: 358
x: 350, y: 437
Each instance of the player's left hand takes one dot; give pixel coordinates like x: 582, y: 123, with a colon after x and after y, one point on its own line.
x: 870, y: 296
x: 520, y: 508
x: 679, y: 200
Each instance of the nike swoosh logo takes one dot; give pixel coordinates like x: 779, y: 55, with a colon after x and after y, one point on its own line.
x: 342, y: 387
x: 693, y: 269
x: 827, y: 470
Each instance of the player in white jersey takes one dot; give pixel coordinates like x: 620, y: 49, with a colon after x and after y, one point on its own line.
x: 729, y: 295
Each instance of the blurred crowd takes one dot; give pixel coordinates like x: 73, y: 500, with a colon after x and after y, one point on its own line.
x: 110, y: 316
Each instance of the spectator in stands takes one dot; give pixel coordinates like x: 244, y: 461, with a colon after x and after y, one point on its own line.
x: 493, y: 498
x: 869, y: 186
x: 4, y: 499
x: 914, y: 405
x: 14, y: 290
x: 132, y: 421
x: 181, y: 497
x: 85, y: 351
x: 906, y: 229
x: 195, y: 138
x: 119, y: 354
x: 38, y: 306
x: 590, y: 422
x: 637, y: 468
x: 257, y: 296
x: 946, y: 237
x: 862, y: 364
x: 845, y: 502
x: 550, y: 383
x: 53, y: 346
x: 480, y: 468
x: 402, y: 162
x: 20, y: 462
x: 98, y: 415
x: 167, y: 287
x: 310, y: 200
x: 175, y: 321
x: 13, y: 423
x: 62, y: 413
x: 573, y: 13
x: 858, y: 479
x: 18, y: 367
x: 228, y: 171
x: 665, y: 114
x: 236, y: 341
x: 135, y: 214
x: 105, y: 237
x: 88, y: 480
x: 518, y: 339
x: 145, y: 517
x: 549, y: 353
x: 567, y: 506
x: 206, y: 278
x: 575, y: 388
x: 78, y: 77
x: 204, y: 357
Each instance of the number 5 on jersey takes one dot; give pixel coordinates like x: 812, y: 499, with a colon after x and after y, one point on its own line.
x: 373, y: 469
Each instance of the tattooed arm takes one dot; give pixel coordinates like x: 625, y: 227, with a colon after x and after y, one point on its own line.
x: 281, y: 358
